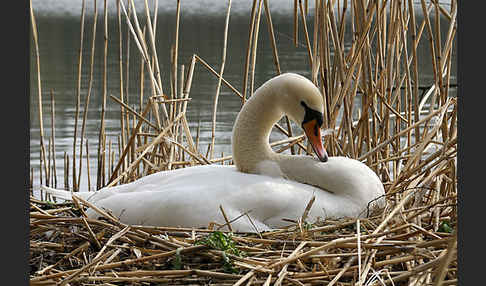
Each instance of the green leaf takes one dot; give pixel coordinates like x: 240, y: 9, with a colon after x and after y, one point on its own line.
x: 445, y: 227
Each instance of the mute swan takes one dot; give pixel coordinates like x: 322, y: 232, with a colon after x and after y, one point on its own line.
x: 263, y: 187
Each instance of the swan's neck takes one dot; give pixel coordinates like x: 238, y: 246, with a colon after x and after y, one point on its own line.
x: 251, y: 133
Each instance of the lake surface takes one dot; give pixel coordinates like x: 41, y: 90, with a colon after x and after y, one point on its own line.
x: 201, y: 33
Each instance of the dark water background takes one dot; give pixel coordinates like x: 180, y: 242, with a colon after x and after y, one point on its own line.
x: 201, y: 33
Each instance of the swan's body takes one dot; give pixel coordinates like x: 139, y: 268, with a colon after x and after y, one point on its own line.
x: 265, y: 186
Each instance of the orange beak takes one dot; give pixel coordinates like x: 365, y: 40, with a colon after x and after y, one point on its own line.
x: 313, y: 133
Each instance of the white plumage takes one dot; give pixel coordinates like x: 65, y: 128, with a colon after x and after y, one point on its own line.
x: 265, y: 186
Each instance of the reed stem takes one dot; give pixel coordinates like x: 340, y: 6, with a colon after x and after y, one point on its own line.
x: 223, y: 60
x: 90, y: 85
x: 53, y: 139
x: 248, y: 50
x: 78, y: 92
x: 102, y: 135
x: 120, y: 66
x: 254, y: 48
x: 39, y: 94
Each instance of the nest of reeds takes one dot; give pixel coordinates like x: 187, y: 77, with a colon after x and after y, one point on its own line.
x: 413, y: 242
x: 405, y: 132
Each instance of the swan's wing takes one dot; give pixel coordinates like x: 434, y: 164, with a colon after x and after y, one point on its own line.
x: 192, y: 197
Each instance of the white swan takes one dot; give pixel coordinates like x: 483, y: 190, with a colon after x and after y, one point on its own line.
x: 264, y: 187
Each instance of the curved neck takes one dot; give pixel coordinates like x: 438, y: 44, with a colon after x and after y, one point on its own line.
x: 251, y: 132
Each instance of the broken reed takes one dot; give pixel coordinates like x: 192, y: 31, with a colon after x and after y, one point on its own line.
x: 379, y: 69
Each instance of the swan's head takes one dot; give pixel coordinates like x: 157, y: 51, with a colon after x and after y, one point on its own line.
x: 304, y: 106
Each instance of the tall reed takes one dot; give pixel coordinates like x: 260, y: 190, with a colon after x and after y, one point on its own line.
x: 220, y: 77
x: 42, y: 156
x: 87, y: 99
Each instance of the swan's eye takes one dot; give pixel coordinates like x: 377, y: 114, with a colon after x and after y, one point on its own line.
x: 311, y: 114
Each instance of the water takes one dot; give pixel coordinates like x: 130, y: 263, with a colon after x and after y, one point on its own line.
x: 201, y: 33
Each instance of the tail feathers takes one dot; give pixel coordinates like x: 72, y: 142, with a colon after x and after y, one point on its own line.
x: 61, y: 194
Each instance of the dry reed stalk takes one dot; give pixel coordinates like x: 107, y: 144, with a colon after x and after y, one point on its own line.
x: 254, y: 47
x: 156, y: 12
x: 346, y: 267
x: 155, y: 62
x: 414, y: 55
x: 220, y: 76
x: 296, y: 24
x: 272, y: 36
x: 177, y: 100
x: 450, y: 252
x: 39, y: 94
x: 157, y: 140
x: 151, y: 31
x: 111, y: 155
x: 337, y: 68
x: 127, y: 74
x: 103, y: 161
x: 276, y: 60
x: 129, y: 144
x: 102, y: 135
x: 136, y: 114
x: 66, y: 171
x: 438, y: 45
x: 324, y: 55
x: 354, y: 61
x: 248, y: 50
x: 142, y: 80
x: 176, y: 51
x: 202, y: 160
x: 315, y: 68
x: 176, y: 129
x: 188, y: 84
x: 306, y: 34
x: 225, y: 218
x: 142, y: 47
x: 78, y: 91
x: 207, y: 66
x: 49, y: 156
x: 85, y: 268
x: 53, y: 139
x: 179, y: 105
x: 87, y: 165
x: 31, y: 182
x: 120, y: 67
x: 422, y: 146
x: 86, y: 103
x: 139, y: 37
x: 433, y: 50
